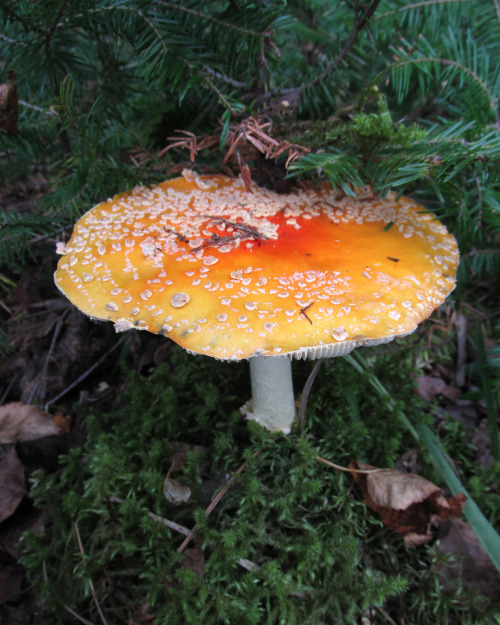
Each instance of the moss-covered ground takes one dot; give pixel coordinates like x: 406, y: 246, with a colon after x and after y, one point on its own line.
x: 289, y: 542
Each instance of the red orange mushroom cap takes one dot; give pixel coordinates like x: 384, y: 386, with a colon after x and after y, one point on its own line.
x: 234, y: 274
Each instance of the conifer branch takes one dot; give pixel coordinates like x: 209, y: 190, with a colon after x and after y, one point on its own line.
x: 230, y: 81
x: 360, y: 21
x: 200, y: 70
x: 220, y: 95
x: 419, y: 5
x: 35, y: 107
x: 16, y: 17
x: 131, y: 10
x: 9, y: 40
x: 51, y: 30
x: 206, y: 17
x: 492, y: 99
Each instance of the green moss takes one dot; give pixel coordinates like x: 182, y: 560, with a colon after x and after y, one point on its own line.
x: 322, y: 556
x: 366, y: 131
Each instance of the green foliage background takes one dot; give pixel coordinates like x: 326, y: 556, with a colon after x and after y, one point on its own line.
x: 410, y: 103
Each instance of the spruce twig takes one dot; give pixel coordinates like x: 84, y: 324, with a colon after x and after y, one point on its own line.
x: 360, y: 21
x: 206, y: 17
x: 55, y: 24
x: 418, y: 5
x: 492, y: 99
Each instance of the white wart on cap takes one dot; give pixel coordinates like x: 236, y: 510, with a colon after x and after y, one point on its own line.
x: 234, y: 274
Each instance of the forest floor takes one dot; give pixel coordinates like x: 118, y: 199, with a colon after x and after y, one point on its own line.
x: 58, y: 357
x: 53, y: 345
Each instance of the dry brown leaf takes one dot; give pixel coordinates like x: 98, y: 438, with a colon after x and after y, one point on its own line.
x: 22, y: 422
x: 472, y: 568
x: 8, y: 105
x: 179, y: 451
x: 194, y: 560
x: 175, y: 492
x: 178, y: 461
x: 12, y: 486
x: 142, y: 615
x: 407, y: 503
x: 429, y: 387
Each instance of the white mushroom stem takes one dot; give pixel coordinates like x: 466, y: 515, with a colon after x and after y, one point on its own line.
x: 273, y: 404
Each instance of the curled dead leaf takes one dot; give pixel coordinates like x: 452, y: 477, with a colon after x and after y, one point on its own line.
x: 471, y: 567
x: 175, y: 492
x: 22, y: 422
x: 407, y: 503
x: 429, y: 387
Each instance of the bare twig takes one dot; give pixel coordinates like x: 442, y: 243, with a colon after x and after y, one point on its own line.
x: 48, y: 357
x: 360, y: 21
x: 9, y: 40
x: 214, y: 503
x: 218, y: 93
x: 347, y: 470
x: 252, y: 132
x: 17, y: 595
x: 171, y: 524
x: 55, y: 23
x: 307, y: 389
x: 230, y: 81
x: 304, y: 314
x: 244, y: 232
x: 35, y: 107
x: 77, y: 616
x: 91, y: 585
x: 5, y: 307
x: 243, y: 562
x: 461, y: 326
x: 386, y: 616
x: 6, y: 392
x: 85, y: 374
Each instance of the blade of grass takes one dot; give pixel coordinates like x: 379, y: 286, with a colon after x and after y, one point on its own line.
x: 361, y: 366
x: 479, y: 523
x: 424, y: 436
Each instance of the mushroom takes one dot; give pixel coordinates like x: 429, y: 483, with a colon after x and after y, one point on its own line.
x: 256, y: 275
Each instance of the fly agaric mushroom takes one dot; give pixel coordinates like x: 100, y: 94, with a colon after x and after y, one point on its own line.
x: 255, y: 275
